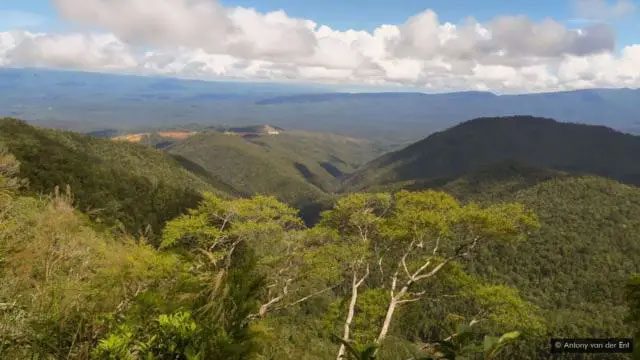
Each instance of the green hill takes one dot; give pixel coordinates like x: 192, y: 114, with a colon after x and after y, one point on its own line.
x: 114, y: 182
x: 300, y: 168
x: 575, y: 267
x: 537, y: 142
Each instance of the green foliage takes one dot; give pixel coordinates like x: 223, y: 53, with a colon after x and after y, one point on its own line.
x: 411, y: 236
x: 359, y: 214
x: 464, y: 346
x: 243, y: 278
x: 213, y: 231
x: 368, y: 352
x: 9, y: 169
x: 115, y: 183
x: 169, y: 336
x: 116, y: 346
x: 299, y: 168
x: 221, y: 236
x: 633, y: 302
x: 370, y: 310
x: 60, y: 278
x: 427, y: 216
x: 294, y: 165
x: 507, y: 309
x: 583, y: 220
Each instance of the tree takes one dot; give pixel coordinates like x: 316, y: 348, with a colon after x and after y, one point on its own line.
x: 221, y: 237
x: 62, y: 280
x: 9, y: 169
x: 357, y: 218
x: 217, y: 228
x: 411, y: 238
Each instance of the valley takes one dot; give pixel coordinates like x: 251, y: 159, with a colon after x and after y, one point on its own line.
x: 92, y: 102
x: 579, y: 181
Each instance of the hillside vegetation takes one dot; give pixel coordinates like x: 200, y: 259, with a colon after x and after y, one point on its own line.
x: 115, y: 183
x: 299, y: 168
x: 537, y: 142
x: 489, y: 259
x: 575, y: 267
x: 231, y: 277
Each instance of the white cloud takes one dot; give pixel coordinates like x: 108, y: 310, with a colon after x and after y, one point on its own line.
x: 602, y: 70
x: 201, y: 24
x: 202, y: 39
x: 94, y: 52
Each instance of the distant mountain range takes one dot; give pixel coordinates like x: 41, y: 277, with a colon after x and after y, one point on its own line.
x: 106, y: 103
x: 537, y: 142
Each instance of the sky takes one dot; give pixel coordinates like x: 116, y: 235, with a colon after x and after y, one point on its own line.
x: 425, y: 45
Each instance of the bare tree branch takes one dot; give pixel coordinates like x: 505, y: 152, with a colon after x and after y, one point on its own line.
x: 355, y: 284
x: 303, y: 299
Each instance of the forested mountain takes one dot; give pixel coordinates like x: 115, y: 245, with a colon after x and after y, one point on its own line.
x: 538, y: 142
x: 230, y: 276
x: 114, y: 182
x: 574, y: 266
x: 300, y: 168
x: 588, y: 239
x: 484, y: 256
x: 320, y: 160
x: 588, y: 244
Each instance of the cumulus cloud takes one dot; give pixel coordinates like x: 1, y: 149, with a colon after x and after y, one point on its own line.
x: 202, y: 39
x: 95, y: 52
x: 506, y: 38
x: 201, y: 24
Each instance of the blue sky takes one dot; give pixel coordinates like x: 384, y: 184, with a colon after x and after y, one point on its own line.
x: 589, y: 43
x: 355, y: 14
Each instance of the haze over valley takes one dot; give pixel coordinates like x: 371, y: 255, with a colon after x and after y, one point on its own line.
x: 91, y: 102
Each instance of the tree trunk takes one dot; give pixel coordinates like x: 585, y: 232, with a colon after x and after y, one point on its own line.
x: 350, y: 314
x: 387, y: 321
x: 352, y: 309
x: 391, y: 309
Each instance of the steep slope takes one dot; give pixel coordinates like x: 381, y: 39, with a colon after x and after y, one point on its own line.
x: 574, y: 268
x: 576, y: 265
x: 299, y: 167
x: 114, y: 182
x: 538, y: 142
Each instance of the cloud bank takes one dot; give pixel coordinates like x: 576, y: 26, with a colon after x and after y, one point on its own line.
x: 203, y: 39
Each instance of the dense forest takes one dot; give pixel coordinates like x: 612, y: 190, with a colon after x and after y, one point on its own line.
x: 538, y: 142
x: 117, y: 184
x: 111, y: 250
